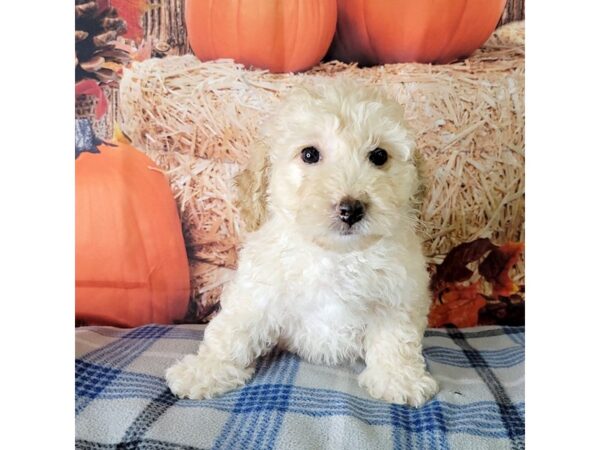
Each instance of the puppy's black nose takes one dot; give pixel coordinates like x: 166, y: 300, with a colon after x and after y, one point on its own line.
x: 351, y: 210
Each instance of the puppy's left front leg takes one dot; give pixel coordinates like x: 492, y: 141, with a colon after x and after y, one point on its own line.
x: 395, y: 369
x: 225, y: 360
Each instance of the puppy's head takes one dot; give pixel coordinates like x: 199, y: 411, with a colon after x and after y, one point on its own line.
x: 335, y: 163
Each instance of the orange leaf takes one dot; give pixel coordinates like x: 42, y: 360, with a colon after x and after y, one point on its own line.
x: 458, y: 305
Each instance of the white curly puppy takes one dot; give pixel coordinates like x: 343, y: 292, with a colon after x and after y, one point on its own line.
x: 332, y: 269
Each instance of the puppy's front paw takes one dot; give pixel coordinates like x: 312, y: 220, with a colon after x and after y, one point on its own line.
x: 199, y: 377
x: 401, y: 388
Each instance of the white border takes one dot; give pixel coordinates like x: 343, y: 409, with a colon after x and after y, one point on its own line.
x: 562, y: 190
x: 37, y: 246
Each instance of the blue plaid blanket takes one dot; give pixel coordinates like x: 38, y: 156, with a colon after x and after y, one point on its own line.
x: 123, y: 402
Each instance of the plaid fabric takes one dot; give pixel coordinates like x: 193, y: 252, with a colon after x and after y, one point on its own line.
x: 123, y: 402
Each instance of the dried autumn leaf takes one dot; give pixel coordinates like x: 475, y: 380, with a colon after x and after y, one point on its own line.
x: 472, y: 305
x: 454, y: 267
x: 496, y: 266
x: 454, y: 292
x: 493, y: 264
x: 459, y: 306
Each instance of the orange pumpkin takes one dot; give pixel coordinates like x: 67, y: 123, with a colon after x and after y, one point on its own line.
x: 131, y: 265
x: 391, y: 31
x: 279, y: 35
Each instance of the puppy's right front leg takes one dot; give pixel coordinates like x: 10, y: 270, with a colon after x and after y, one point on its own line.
x: 225, y: 360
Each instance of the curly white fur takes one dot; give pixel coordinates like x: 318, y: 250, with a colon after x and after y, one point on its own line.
x: 306, y: 280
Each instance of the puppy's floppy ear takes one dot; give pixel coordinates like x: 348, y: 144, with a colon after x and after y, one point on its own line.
x: 252, y: 185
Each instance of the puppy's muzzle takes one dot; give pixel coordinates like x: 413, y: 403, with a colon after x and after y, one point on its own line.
x: 351, y: 210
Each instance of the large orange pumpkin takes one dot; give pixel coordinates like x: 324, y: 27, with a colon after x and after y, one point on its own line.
x: 279, y: 35
x: 391, y: 31
x: 131, y: 265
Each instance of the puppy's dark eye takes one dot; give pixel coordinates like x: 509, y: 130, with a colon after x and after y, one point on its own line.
x: 378, y: 156
x: 310, y: 155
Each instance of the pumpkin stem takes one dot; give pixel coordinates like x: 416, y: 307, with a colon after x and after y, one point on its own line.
x: 85, y: 139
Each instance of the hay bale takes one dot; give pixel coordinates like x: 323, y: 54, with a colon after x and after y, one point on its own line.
x: 197, y: 120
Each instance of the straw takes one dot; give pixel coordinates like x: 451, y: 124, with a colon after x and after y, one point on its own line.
x: 198, y: 119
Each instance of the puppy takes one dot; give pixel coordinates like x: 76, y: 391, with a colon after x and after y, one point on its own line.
x: 332, y: 269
